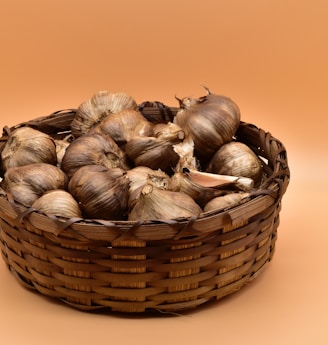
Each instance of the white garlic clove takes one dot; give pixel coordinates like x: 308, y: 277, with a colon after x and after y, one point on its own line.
x: 220, y: 181
x: 59, y: 203
x: 26, y: 145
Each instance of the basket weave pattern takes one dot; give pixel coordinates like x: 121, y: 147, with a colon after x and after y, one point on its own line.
x: 134, y: 267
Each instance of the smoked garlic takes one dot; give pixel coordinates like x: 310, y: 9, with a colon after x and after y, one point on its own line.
x: 158, y: 204
x: 211, y: 120
x: 26, y: 145
x: 102, y: 193
x: 98, y: 107
x: 236, y: 158
x: 27, y: 183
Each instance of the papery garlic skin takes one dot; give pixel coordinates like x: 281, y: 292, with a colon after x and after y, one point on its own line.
x: 61, y: 146
x: 225, y: 201
x: 236, y: 158
x: 180, y: 180
x: 102, y: 193
x: 153, y: 153
x: 211, y: 121
x: 27, y: 183
x: 124, y: 125
x: 141, y: 176
x: 26, y: 145
x: 91, y: 149
x: 99, y: 106
x: 169, y: 131
x: 158, y: 204
x: 59, y: 203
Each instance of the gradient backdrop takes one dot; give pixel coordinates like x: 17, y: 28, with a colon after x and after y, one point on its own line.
x: 270, y: 57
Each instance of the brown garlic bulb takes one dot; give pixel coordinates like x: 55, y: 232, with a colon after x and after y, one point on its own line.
x: 158, y: 204
x: 236, y: 158
x: 26, y: 145
x: 123, y: 126
x: 152, y: 152
x: 211, y: 120
x: 91, y: 149
x: 222, y: 202
x: 27, y: 183
x: 102, y: 193
x: 59, y: 203
x: 140, y: 176
x: 98, y: 107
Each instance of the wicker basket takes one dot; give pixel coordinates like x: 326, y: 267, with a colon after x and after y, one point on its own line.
x: 134, y: 267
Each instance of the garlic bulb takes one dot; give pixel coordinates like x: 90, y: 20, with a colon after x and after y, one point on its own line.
x: 225, y: 201
x: 152, y: 152
x: 102, y: 193
x: 124, y: 125
x: 26, y: 145
x: 98, y: 107
x: 59, y: 203
x: 27, y: 183
x: 211, y: 120
x: 91, y: 149
x: 140, y: 176
x: 156, y: 204
x: 236, y: 158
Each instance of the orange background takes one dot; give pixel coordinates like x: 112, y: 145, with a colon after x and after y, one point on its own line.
x: 270, y: 57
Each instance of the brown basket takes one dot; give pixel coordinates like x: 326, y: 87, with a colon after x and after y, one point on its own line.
x: 134, y: 267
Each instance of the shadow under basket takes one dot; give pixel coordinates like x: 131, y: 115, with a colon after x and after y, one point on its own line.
x: 127, y: 266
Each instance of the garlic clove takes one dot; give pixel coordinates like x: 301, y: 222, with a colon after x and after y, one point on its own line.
x: 217, y: 180
x: 158, y: 204
x: 59, y: 203
x: 26, y: 145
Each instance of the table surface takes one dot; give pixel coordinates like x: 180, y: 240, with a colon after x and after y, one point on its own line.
x: 271, y: 58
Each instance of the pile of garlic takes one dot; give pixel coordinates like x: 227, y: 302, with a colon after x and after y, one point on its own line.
x: 116, y: 165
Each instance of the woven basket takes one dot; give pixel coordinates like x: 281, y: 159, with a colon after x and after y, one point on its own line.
x: 133, y: 267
